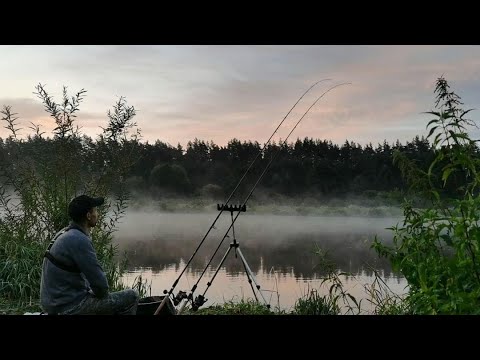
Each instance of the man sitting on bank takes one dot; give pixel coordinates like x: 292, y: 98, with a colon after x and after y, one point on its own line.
x: 73, y: 282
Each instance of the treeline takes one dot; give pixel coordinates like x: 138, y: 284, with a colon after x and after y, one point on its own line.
x: 305, y: 166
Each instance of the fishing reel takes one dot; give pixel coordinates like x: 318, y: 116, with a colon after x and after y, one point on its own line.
x: 178, y: 298
x: 199, y: 301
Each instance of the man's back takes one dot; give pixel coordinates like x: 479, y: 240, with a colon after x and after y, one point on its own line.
x: 61, y: 289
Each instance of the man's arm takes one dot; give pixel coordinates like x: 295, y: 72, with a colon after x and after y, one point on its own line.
x: 86, y: 260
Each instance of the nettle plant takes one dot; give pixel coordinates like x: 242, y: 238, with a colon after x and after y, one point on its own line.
x: 437, y: 248
x: 39, y: 176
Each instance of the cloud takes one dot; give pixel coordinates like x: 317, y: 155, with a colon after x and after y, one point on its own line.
x: 220, y: 92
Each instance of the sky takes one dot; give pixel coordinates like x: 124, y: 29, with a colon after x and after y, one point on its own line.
x: 217, y: 93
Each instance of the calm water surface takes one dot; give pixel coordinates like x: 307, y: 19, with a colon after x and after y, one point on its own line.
x: 279, y: 250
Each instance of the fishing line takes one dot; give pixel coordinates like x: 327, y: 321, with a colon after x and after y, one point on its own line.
x: 190, y: 296
x: 183, y: 294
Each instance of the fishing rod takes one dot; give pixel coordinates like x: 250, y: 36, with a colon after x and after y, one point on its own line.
x: 167, y: 294
x: 200, y: 300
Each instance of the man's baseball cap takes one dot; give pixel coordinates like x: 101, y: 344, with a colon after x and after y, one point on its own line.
x: 82, y: 204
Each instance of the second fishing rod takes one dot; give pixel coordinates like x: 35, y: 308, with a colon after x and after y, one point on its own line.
x: 181, y: 294
x: 201, y: 298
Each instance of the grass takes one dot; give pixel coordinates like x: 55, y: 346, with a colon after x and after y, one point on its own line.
x: 311, y: 303
x: 9, y: 307
x: 315, y: 304
x: 244, y: 307
x: 384, y: 301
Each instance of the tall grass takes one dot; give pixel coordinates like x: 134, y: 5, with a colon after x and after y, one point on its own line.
x: 38, y: 178
x: 315, y: 304
x: 384, y: 301
x: 336, y: 298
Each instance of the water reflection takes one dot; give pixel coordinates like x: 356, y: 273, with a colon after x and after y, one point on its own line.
x: 296, y: 254
x: 279, y: 250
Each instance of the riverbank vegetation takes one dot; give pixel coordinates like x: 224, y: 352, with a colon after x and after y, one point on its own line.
x: 431, y: 183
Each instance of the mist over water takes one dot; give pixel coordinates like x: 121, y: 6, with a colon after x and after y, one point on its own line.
x: 280, y: 251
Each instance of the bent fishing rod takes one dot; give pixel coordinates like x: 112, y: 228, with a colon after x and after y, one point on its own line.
x: 167, y: 294
x: 200, y: 300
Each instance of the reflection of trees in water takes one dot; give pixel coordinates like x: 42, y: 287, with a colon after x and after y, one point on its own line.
x: 349, y: 252
x: 295, y: 254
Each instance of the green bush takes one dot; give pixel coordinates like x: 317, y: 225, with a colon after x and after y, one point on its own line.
x: 437, y: 247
